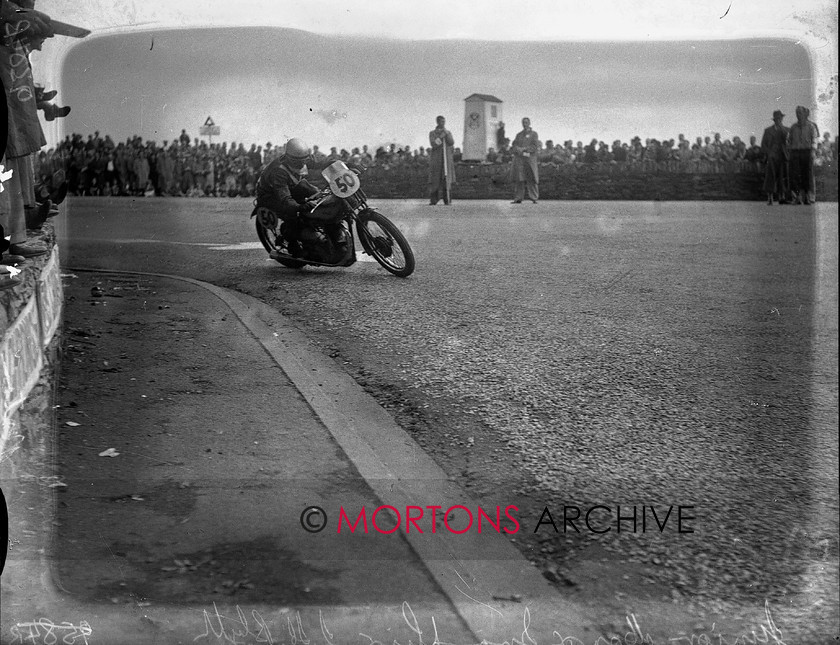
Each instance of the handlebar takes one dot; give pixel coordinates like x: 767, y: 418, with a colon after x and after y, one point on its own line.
x: 318, y: 197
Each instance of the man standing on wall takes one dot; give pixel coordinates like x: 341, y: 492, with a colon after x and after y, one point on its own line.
x: 525, y: 170
x: 441, y: 163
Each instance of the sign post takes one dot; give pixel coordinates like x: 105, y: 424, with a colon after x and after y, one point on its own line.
x: 209, y: 129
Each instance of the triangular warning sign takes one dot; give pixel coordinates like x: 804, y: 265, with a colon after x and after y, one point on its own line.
x: 209, y: 121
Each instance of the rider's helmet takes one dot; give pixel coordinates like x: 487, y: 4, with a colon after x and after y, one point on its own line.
x: 297, y: 152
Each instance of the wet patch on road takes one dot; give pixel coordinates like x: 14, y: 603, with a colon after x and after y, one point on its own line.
x: 250, y: 572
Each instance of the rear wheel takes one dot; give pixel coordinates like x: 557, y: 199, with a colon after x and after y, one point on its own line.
x: 386, y: 243
x: 267, y: 225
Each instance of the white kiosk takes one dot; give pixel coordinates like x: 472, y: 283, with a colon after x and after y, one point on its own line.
x: 482, y: 114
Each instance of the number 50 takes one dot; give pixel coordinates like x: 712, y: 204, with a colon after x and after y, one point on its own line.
x: 345, y: 182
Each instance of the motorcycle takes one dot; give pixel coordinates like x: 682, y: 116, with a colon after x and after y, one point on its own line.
x: 325, y: 236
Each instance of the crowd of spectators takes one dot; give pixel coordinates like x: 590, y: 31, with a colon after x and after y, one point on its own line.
x: 185, y: 166
x: 704, y: 155
x: 96, y: 165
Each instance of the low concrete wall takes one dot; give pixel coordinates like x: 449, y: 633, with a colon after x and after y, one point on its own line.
x: 30, y: 316
x: 29, y: 319
x: 588, y: 182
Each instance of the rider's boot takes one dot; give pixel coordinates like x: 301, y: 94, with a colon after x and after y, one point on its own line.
x: 289, y: 238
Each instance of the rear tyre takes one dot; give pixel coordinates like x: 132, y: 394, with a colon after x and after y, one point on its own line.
x: 267, y: 224
x: 385, y: 242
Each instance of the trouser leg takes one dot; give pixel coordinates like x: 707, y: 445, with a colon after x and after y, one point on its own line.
x: 15, y: 224
x: 533, y: 190
x: 799, y: 180
x: 784, y: 175
x: 810, y: 179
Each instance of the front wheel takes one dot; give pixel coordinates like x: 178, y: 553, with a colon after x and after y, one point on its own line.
x: 386, y: 243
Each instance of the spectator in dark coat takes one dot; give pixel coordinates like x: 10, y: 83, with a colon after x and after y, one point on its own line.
x: 525, y: 170
x: 774, y: 148
x: 501, y: 139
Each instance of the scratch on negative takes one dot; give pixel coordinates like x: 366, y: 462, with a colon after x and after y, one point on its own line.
x: 8, y: 453
x: 479, y: 602
x: 761, y: 83
x: 727, y: 11
x: 462, y: 579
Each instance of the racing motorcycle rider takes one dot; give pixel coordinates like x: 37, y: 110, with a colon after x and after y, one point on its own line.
x: 283, y: 188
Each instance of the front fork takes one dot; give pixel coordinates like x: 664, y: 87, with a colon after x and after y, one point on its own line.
x: 362, y: 232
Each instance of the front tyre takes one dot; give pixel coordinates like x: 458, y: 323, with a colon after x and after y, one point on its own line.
x: 386, y: 243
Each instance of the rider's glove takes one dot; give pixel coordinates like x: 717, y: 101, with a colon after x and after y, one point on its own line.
x: 308, y: 206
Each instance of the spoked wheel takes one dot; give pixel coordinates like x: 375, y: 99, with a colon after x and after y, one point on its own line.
x: 386, y: 243
x: 267, y: 225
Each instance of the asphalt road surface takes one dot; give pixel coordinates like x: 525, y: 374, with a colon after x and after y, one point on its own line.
x: 575, y: 357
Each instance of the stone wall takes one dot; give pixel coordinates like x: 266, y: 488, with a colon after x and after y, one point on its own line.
x: 30, y: 315
x: 592, y: 182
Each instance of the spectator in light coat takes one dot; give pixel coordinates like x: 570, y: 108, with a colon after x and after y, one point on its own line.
x: 441, y: 163
x: 804, y: 139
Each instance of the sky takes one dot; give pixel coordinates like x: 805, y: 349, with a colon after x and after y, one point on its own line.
x: 261, y: 85
x: 343, y: 74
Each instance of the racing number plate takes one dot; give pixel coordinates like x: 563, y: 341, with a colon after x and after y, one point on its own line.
x: 343, y: 181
